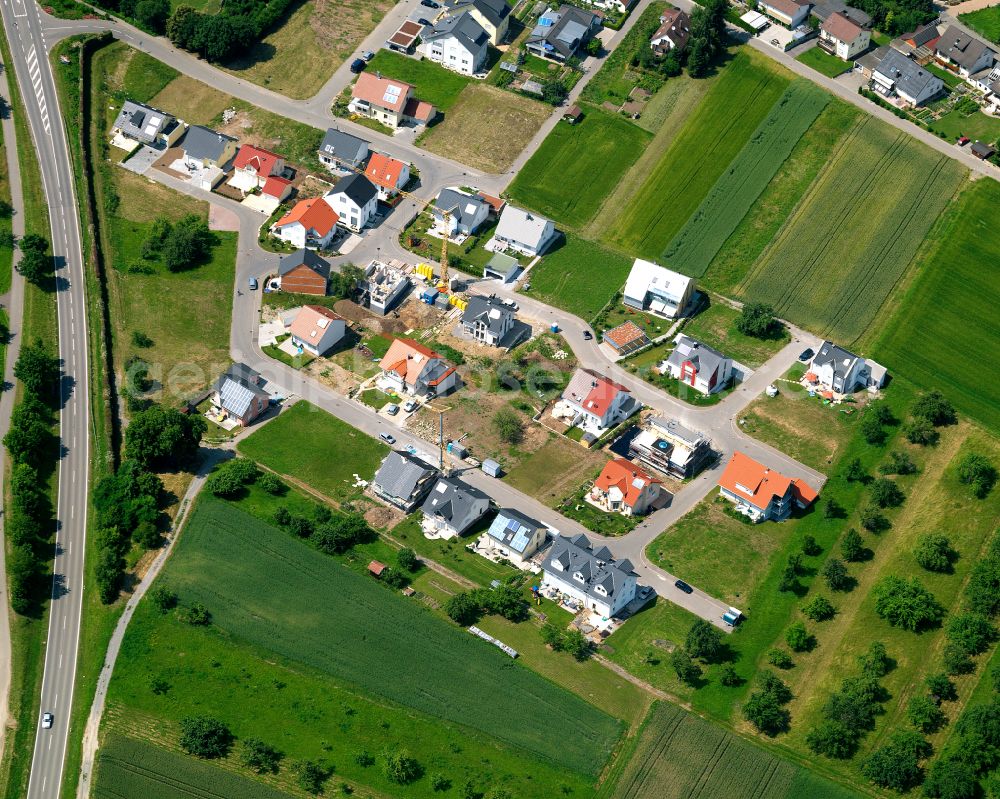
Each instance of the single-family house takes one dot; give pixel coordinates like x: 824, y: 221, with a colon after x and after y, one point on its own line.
x: 304, y: 272
x: 559, y: 35
x: 673, y: 33
x: 316, y: 329
x: 452, y: 507
x: 411, y: 368
x: 492, y: 15
x: 206, y: 148
x: 697, y: 365
x: 310, y: 223
x: 625, y: 339
x: 788, y: 12
x: 843, y: 371
x: 595, y: 403
x: 342, y: 151
x: 487, y: 319
x: 239, y: 394
x: 253, y: 166
x: 515, y: 536
x: 658, y: 290
x: 388, y: 101
x: 964, y: 53
x: 843, y: 37
x: 387, y: 174
x: 146, y: 125
x: 466, y: 212
x: 762, y: 493
x: 355, y: 199
x: 898, y: 76
x: 823, y: 9
x: 458, y: 43
x: 403, y: 480
x: 523, y: 231
x: 622, y: 487
x: 593, y: 578
x: 667, y: 446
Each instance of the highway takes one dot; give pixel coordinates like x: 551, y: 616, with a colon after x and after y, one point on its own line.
x: 22, y: 22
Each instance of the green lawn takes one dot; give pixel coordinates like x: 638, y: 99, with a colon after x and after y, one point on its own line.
x: 823, y: 62
x: 579, y: 276
x: 310, y: 445
x: 936, y: 337
x: 985, y: 22
x: 716, y: 326
x: 577, y: 165
x: 433, y: 83
x: 699, y: 155
x: 145, y: 77
x: 975, y: 125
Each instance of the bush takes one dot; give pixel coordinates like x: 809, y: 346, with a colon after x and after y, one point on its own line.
x: 855, y: 472
x: 977, y: 471
x: 809, y: 546
x: 462, y: 609
x: 836, y: 576
x: 205, y: 737
x: 272, y: 484
x: 971, y: 631
x: 886, y: 494
x: 259, y: 756
x: 161, y: 438
x: 508, y: 426
x: 197, y: 615
x: 688, y: 672
x: 401, y: 768
x: 764, y: 708
x: 407, y: 559
x: 798, y: 638
x: 780, y: 659
x: 925, y: 715
x: 852, y: 547
x: 922, y: 432
x: 163, y: 599
x: 818, y: 608
x: 833, y: 739
x: 439, y: 782
x: 873, y: 520
x: 730, y: 678
x: 898, y: 463
x: 941, y: 688
x: 906, y: 603
x: 950, y: 778
x: 141, y: 340
x: 310, y: 776
x: 874, y: 662
x: 872, y: 430
x: 934, y: 553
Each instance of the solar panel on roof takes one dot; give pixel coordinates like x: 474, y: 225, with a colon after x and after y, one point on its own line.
x: 519, y: 542
x: 235, y: 398
x: 391, y: 95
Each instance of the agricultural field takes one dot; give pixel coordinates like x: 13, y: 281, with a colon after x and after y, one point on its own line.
x: 297, y: 57
x: 261, y: 598
x: 953, y: 298
x: 699, y: 155
x: 985, y: 22
x: 577, y: 166
x: 808, y: 158
x: 851, y: 238
x: 310, y: 445
x: 432, y: 83
x: 579, y: 276
x: 679, y: 755
x: 738, y: 188
x: 716, y: 326
x: 488, y: 127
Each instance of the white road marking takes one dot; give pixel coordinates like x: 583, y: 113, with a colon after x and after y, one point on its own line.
x: 20, y: 6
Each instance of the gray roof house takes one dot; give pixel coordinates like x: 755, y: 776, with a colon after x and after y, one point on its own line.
x: 403, y: 480
x: 144, y: 123
x: 966, y: 52
x: 524, y: 231
x: 516, y: 535
x: 591, y: 577
x: 559, y: 34
x: 696, y: 364
x: 466, y: 211
x: 238, y: 393
x: 340, y: 149
x: 357, y: 188
x: 897, y: 75
x: 460, y: 36
x: 493, y: 15
x: 209, y: 146
x: 487, y: 320
x: 453, y: 507
x: 843, y: 371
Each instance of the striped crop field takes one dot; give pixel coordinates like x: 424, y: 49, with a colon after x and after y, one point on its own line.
x: 699, y: 155
x: 849, y: 242
x: 679, y: 755
x: 738, y: 188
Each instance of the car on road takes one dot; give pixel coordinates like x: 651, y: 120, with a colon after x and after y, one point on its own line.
x: 683, y: 586
x: 411, y: 406
x: 252, y: 283
x: 775, y: 43
x: 367, y: 56
x: 358, y: 66
x: 430, y: 3
x: 806, y: 354
x: 46, y: 721
x: 587, y: 335
x: 392, y: 409
x: 387, y: 438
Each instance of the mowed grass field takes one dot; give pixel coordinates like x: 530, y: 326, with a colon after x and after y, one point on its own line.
x: 578, y: 165
x: 985, y: 22
x: 851, y: 238
x: 487, y: 128
x: 310, y: 445
x: 678, y: 756
x: 701, y: 152
x: 268, y: 590
x: 945, y: 327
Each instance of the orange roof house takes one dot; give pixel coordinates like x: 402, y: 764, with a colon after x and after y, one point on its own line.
x: 388, y: 101
x: 310, y: 223
x: 624, y: 487
x: 316, y: 329
x: 388, y: 174
x: 762, y: 493
x: 410, y: 367
x: 262, y: 162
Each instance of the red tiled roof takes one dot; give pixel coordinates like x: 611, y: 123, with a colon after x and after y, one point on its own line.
x: 592, y: 392
x: 315, y: 214
x: 275, y: 186
x: 261, y: 161
x: 381, y: 92
x: 627, y: 477
x: 408, y: 358
x: 418, y: 109
x: 384, y: 171
x: 496, y: 203
x: 756, y: 484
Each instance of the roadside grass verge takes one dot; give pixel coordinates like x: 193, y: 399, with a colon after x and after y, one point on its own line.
x: 577, y: 166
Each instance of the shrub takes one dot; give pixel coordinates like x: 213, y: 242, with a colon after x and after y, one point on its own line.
x: 941, y: 688
x: 809, y: 546
x: 956, y: 659
x: 688, y: 672
x: 141, y: 340
x: 756, y: 319
x: 934, y: 409
x: 872, y: 430
x: 896, y: 765
x: 197, y: 615
x: 310, y: 776
x: 205, y: 737
x: 439, y: 782
x: 950, y: 778
x: 462, y: 609
x: 730, y: 678
x: 898, y: 463
x: 508, y: 426
x: 259, y: 756
x: 922, y: 432
x: 764, y: 708
x: 400, y: 768
x: 407, y: 559
x: 780, y: 659
x: 163, y: 599
x: 818, y: 608
x: 798, y: 638
x: 906, y: 603
x: 833, y: 739
x: 855, y: 471
x: 873, y: 520
x: 971, y: 631
x: 977, y: 471
x: 874, y: 662
x: 934, y: 553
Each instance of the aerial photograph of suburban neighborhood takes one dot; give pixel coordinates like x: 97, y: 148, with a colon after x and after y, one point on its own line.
x: 500, y: 399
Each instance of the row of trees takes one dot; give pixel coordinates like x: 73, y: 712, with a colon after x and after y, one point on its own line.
x: 506, y: 600
x: 222, y: 36
x: 33, y: 450
x: 332, y: 533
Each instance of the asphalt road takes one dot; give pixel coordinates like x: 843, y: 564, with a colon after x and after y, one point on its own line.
x: 23, y: 25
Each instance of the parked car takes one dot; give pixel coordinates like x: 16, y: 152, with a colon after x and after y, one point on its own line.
x: 46, y: 721
x: 424, y: 22
x: 587, y: 335
x: 367, y: 56
x: 252, y: 283
x: 392, y: 409
x: 430, y: 3
x: 963, y: 140
x: 358, y: 66
x: 683, y: 586
x: 806, y: 354
x: 411, y: 406
x: 387, y: 438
